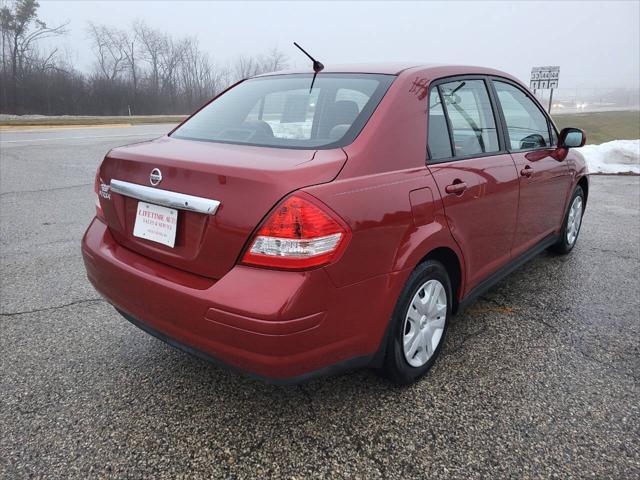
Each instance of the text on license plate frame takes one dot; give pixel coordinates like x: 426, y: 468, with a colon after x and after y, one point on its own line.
x: 156, y: 223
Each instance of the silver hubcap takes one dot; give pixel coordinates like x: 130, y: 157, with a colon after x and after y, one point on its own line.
x: 424, y: 323
x: 574, y: 220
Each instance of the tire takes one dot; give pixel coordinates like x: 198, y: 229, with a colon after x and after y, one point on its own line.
x: 428, y: 281
x: 570, y: 230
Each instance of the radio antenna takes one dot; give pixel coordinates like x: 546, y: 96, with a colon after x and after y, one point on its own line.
x: 317, y: 66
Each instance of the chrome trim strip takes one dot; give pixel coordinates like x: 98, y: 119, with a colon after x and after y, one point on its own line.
x: 165, y: 198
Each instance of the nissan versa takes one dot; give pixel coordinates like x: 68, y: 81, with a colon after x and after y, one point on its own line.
x: 302, y: 223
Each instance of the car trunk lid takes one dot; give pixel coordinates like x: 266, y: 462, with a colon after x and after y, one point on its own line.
x: 247, y: 181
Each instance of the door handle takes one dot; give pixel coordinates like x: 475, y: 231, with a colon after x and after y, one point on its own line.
x: 527, y: 171
x: 457, y: 187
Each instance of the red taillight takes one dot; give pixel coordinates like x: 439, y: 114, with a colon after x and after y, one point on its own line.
x: 97, y: 185
x: 300, y: 233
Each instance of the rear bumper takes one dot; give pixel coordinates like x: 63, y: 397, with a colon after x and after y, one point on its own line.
x: 356, y: 362
x: 280, y: 326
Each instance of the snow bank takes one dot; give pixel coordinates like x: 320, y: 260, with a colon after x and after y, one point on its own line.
x: 619, y: 156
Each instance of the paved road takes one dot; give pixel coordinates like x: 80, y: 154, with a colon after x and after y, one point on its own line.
x: 538, y: 379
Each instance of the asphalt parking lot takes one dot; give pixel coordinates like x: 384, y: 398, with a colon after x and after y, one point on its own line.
x: 538, y: 379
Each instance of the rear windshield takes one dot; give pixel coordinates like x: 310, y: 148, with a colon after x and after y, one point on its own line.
x: 282, y: 111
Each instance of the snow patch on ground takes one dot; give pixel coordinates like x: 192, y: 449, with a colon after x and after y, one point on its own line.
x: 618, y: 156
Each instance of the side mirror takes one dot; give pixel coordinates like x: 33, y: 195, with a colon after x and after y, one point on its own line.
x: 571, y: 138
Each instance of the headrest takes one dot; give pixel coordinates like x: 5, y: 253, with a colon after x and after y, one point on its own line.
x: 344, y: 111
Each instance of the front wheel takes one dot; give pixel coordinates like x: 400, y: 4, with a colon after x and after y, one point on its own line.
x: 419, y: 323
x: 572, y: 224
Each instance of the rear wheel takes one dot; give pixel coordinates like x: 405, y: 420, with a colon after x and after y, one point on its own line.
x: 572, y: 224
x: 419, y: 323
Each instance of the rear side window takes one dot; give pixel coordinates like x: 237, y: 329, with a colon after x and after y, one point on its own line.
x: 282, y: 111
x: 439, y: 144
x: 467, y: 105
x: 526, y: 124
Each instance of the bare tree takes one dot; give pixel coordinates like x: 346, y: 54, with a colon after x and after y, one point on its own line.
x: 200, y: 78
x: 109, y: 47
x: 273, y: 61
x: 170, y: 59
x: 247, y: 66
x: 139, y: 67
x: 152, y: 43
x: 130, y: 48
x: 21, y: 31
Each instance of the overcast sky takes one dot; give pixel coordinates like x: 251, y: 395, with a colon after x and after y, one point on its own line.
x: 596, y: 44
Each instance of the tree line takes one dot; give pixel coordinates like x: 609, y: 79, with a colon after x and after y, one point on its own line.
x: 137, y: 70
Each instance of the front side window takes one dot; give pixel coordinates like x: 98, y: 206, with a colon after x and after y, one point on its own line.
x: 471, y: 117
x: 526, y: 124
x: 282, y: 111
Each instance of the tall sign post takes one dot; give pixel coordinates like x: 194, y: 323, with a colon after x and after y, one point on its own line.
x: 545, y: 78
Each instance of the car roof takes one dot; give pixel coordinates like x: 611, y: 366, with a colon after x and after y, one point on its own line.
x: 396, y: 68
x: 391, y: 68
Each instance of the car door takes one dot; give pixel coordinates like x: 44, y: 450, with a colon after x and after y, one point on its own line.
x: 476, y: 177
x: 544, y: 177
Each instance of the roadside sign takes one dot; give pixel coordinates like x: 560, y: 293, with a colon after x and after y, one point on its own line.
x: 544, y: 77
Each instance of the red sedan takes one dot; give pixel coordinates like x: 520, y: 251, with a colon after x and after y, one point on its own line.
x: 291, y: 228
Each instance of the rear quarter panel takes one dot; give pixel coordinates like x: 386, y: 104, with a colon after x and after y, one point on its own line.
x: 386, y: 193
x: 390, y: 232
